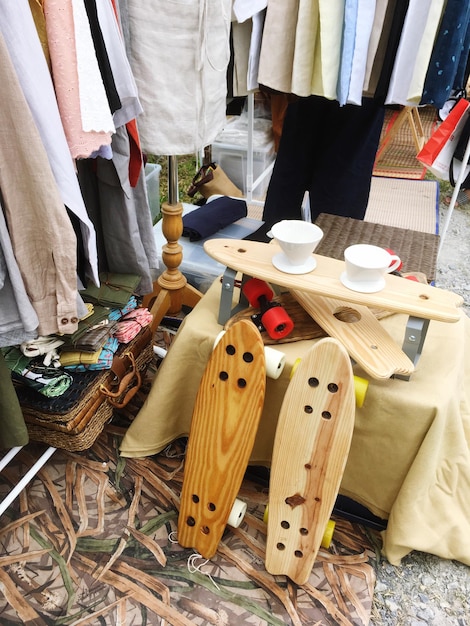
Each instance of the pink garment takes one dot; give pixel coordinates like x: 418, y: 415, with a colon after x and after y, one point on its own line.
x: 131, y: 324
x: 60, y: 35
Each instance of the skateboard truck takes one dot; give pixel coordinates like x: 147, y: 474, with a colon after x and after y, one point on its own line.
x: 272, y: 316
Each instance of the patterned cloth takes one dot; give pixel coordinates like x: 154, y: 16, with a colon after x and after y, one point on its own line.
x: 131, y: 324
x: 104, y: 361
x: 49, y: 381
x: 446, y: 71
x: 116, y: 314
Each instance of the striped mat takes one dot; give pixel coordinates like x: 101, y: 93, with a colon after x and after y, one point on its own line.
x: 399, y: 159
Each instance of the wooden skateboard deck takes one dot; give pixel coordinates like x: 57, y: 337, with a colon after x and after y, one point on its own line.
x: 399, y: 295
x: 225, y: 420
x: 311, y: 447
x: 364, y: 338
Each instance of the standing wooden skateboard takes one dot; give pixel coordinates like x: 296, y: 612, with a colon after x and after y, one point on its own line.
x: 311, y: 447
x: 224, y: 424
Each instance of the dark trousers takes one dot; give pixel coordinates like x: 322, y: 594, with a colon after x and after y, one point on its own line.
x: 328, y: 151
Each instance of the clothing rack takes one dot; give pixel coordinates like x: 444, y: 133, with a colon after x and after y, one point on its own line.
x: 26, y: 479
x: 251, y: 185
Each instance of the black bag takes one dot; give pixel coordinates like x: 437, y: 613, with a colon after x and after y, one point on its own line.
x: 459, y: 153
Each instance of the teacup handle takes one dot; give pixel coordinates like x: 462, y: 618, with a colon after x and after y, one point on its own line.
x: 395, y: 263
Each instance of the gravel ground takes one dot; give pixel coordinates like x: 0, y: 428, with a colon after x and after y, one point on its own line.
x: 426, y: 589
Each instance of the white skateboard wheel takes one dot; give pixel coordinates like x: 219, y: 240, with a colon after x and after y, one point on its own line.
x: 237, y: 513
x: 275, y: 359
x: 218, y: 338
x: 275, y: 362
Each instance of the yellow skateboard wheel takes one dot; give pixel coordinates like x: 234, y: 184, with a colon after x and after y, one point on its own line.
x: 360, y: 384
x: 327, y: 535
x: 294, y: 367
x: 266, y: 515
x: 360, y: 390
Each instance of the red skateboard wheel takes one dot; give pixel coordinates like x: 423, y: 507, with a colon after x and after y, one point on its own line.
x: 277, y: 322
x: 254, y: 289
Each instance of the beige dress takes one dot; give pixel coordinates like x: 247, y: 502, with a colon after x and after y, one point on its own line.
x: 179, y: 53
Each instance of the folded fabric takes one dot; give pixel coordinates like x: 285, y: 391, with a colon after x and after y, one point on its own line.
x: 114, y: 289
x: 212, y: 217
x: 131, y: 324
x: 98, y: 319
x: 104, y: 361
x: 116, y: 314
x: 76, y: 357
x: 48, y: 381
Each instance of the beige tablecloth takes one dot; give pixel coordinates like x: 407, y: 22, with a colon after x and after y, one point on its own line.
x: 409, y: 460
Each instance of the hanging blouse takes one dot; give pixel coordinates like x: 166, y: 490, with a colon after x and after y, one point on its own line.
x: 328, y: 47
x: 445, y: 58
x: 347, y: 50
x: 415, y: 89
x: 306, y: 49
x: 408, y: 47
x: 377, y: 27
x: 94, y: 107
x: 365, y: 20
x: 124, y: 79
x: 40, y: 230
x: 18, y: 320
x: 60, y: 33
x: 278, y: 45
x: 397, y: 18
x: 33, y: 74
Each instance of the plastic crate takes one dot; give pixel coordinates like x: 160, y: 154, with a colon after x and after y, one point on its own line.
x: 230, y: 151
x: 198, y: 267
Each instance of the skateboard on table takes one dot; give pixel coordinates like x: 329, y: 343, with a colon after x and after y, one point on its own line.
x: 374, y: 350
x: 311, y: 447
x: 359, y: 330
x: 225, y: 420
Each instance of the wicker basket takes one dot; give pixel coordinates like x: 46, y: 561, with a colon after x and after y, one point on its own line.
x: 74, y: 420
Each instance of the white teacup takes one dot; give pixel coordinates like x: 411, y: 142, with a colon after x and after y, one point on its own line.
x: 297, y: 239
x: 366, y: 266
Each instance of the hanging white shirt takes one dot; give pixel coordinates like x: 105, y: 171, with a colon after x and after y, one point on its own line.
x: 255, y: 49
x: 94, y: 107
x: 244, y: 9
x: 377, y: 25
x: 124, y: 80
x: 405, y: 59
x: 423, y: 57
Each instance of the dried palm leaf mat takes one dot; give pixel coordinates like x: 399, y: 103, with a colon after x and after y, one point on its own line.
x: 92, y: 541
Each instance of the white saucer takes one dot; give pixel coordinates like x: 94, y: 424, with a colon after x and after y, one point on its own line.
x: 281, y: 262
x: 362, y: 287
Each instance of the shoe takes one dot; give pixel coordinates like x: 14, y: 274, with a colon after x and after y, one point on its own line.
x: 462, y: 199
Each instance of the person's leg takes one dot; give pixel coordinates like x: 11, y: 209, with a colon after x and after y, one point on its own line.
x: 295, y: 162
x: 342, y: 178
